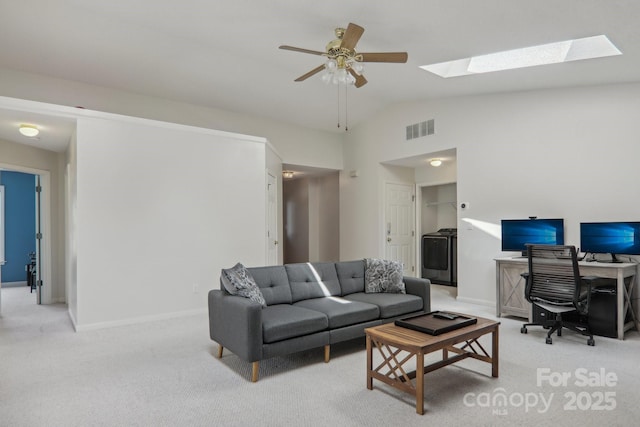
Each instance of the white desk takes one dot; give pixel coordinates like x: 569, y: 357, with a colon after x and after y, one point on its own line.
x: 510, y: 299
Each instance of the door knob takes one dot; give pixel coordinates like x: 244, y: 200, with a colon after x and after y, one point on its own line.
x: 275, y: 242
x: 388, y: 239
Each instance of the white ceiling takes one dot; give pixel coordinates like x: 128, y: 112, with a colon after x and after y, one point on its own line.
x: 224, y: 53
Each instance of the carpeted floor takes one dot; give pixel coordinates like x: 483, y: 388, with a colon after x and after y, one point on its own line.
x: 166, y: 374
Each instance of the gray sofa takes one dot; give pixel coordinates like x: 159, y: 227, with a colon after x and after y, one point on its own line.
x: 309, y: 305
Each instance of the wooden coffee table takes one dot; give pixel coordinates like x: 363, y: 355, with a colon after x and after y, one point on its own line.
x: 398, y: 345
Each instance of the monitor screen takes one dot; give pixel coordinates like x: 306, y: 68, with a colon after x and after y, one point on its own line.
x: 621, y: 238
x: 516, y: 233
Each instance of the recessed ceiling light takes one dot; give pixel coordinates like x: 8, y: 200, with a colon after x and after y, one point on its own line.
x: 435, y: 162
x: 552, y: 53
x: 29, y: 130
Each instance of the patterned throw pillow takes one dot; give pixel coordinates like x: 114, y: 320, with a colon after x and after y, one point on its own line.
x: 383, y: 276
x: 238, y: 281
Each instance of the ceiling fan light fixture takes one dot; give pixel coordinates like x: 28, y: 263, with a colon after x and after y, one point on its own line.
x: 343, y: 66
x: 29, y: 130
x: 331, y: 65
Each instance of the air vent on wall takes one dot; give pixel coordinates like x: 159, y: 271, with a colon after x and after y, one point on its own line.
x: 420, y: 129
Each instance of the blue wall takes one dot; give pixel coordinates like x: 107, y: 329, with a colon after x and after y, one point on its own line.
x: 20, y: 223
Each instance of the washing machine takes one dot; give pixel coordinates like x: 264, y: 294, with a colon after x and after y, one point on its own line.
x: 439, y: 256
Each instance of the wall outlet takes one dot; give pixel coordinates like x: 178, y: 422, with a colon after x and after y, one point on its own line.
x: 196, y: 288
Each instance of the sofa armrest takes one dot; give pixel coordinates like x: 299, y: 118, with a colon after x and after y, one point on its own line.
x: 236, y: 324
x: 420, y: 287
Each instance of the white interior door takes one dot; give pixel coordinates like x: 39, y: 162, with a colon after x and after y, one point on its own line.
x: 39, y: 280
x: 400, y: 225
x: 272, y: 219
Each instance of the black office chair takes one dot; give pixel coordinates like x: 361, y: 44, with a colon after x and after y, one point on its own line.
x: 555, y: 285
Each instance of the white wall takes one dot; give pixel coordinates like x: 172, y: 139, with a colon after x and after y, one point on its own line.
x: 324, y: 218
x: 158, y: 216
x: 570, y: 153
x: 296, y: 144
x: 70, y: 227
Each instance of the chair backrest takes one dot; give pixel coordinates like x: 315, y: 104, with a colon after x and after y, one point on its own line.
x: 554, y: 275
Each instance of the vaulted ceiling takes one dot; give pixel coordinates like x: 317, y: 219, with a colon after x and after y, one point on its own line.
x: 224, y: 53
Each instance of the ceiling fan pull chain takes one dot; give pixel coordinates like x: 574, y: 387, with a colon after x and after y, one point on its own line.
x: 346, y: 108
x: 338, y: 106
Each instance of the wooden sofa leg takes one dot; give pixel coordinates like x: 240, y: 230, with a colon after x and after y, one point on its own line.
x: 255, y: 367
x: 220, y: 348
x: 327, y: 353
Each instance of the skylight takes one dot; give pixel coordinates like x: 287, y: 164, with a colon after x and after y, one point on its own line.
x: 552, y: 53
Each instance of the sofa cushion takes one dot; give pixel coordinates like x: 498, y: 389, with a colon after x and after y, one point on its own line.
x: 340, y: 311
x: 351, y: 276
x: 390, y: 305
x: 238, y: 281
x: 284, y: 321
x: 273, y: 283
x: 382, y: 275
x: 313, y: 280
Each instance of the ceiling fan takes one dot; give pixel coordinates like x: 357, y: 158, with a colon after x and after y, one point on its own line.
x: 344, y: 64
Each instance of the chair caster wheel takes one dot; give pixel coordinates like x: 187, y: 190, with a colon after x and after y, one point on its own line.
x: 549, y: 340
x: 591, y: 342
x: 523, y: 330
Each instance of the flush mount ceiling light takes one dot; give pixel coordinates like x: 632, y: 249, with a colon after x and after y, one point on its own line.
x: 287, y: 174
x: 435, y: 162
x: 29, y: 130
x: 552, y: 53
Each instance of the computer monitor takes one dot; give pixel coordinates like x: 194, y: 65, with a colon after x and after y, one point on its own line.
x: 516, y: 233
x: 615, y: 238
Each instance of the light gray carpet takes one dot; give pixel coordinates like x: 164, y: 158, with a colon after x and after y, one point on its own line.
x: 166, y: 374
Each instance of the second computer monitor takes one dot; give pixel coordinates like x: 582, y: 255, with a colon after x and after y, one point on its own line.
x: 615, y: 238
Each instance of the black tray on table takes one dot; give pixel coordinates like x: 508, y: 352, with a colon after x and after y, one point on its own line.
x: 431, y: 323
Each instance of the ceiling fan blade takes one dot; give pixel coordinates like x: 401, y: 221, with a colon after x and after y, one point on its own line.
x: 351, y: 36
x: 360, y: 80
x: 310, y: 73
x: 299, y: 49
x: 385, y: 57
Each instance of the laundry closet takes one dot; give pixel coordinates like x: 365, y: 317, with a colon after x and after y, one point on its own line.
x: 438, y: 245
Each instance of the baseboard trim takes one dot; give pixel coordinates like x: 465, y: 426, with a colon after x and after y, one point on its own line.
x: 135, y: 320
x: 14, y: 284
x: 476, y: 301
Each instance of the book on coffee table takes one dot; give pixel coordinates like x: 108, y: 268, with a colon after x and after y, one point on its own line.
x: 436, y: 322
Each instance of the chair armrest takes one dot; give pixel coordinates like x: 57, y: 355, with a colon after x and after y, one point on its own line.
x: 236, y: 324
x: 420, y: 287
x: 527, y: 286
x: 584, y: 297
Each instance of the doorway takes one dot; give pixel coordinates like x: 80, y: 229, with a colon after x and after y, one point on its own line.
x: 437, y: 224
x: 311, y: 215
x: 27, y: 254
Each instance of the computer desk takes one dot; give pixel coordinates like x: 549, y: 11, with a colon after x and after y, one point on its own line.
x: 510, y: 286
